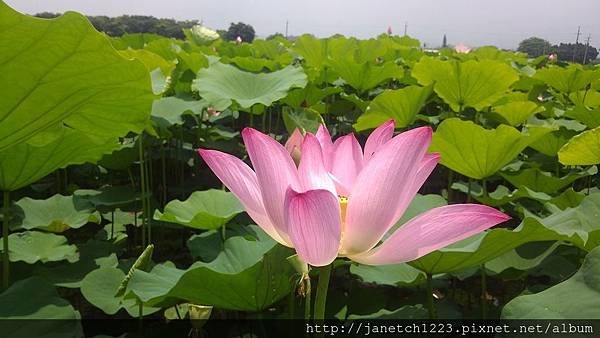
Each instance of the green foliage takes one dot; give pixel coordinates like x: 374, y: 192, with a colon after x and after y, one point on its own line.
x: 210, y: 209
x: 244, y: 31
x: 535, y: 47
x: 583, y: 149
x: 582, y: 290
x: 477, y: 152
x: 222, y: 84
x: 476, y: 84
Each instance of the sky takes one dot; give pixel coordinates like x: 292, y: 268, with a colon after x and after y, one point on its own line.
x: 502, y: 23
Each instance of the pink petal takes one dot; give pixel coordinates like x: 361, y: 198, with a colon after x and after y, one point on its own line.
x: 431, y: 231
x: 378, y: 138
x: 382, y: 188
x: 326, y: 146
x: 314, y: 225
x: 242, y: 182
x: 294, y: 142
x: 311, y: 171
x: 347, y: 162
x: 426, y: 166
x: 275, y: 171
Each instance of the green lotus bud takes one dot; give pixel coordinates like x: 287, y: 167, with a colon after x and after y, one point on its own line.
x: 203, y: 35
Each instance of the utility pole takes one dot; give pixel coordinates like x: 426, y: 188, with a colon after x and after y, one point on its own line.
x: 286, y: 28
x: 587, y: 46
x: 576, y: 42
x: 405, y: 27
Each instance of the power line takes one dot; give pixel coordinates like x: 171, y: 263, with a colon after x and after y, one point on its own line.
x: 576, y: 42
x: 587, y: 46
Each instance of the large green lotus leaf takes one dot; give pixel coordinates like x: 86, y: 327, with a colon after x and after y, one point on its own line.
x: 160, y: 69
x: 56, y: 214
x: 171, y: 109
x: 23, y: 164
x: 100, y: 286
x: 476, y: 84
x: 309, y: 95
x: 302, y: 119
x: 123, y: 157
x: 366, y: 75
x: 580, y: 224
x: 63, y: 72
x: 32, y: 308
x: 253, y: 64
x: 401, y: 105
x: 394, y: 275
x: 568, y: 199
x: 209, y: 209
x: 542, y: 181
x: 108, y: 198
x: 477, y: 152
x: 577, y: 297
x: 220, y: 84
x: 36, y: 246
x: 135, y: 40
x: 312, y: 50
x: 587, y: 98
x: 553, y: 141
x: 483, y: 247
x: 583, y: 149
x: 516, y: 112
x: 567, y: 80
x: 526, y: 257
x: 591, y: 118
x: 501, y: 196
x: 249, y: 274
x: 93, y: 254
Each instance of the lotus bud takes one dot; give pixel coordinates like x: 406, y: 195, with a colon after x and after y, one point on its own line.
x: 389, y: 30
x: 462, y: 48
x: 294, y: 145
x: 203, y: 35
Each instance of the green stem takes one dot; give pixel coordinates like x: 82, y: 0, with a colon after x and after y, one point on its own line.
x: 450, y: 181
x: 5, y: 261
x: 148, y: 176
x: 307, y: 298
x: 430, y: 304
x: 163, y: 164
x: 322, y: 287
x: 112, y: 225
x: 484, y: 304
x: 484, y: 187
x: 143, y: 189
x: 469, y: 192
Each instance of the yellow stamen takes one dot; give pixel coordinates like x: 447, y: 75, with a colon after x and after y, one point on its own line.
x: 343, y: 207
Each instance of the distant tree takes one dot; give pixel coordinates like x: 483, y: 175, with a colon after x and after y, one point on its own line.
x: 117, y: 26
x: 534, y: 47
x: 444, y: 42
x: 245, y: 31
x: 275, y: 36
x: 575, y: 52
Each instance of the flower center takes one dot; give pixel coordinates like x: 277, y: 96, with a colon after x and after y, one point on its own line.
x: 343, y: 207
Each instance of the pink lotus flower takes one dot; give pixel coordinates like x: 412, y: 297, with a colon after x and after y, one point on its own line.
x: 238, y: 39
x: 462, y: 48
x: 389, y: 30
x: 341, y: 200
x: 552, y: 57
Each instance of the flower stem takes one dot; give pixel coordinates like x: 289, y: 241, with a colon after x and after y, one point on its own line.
x: 430, y: 304
x: 484, y: 304
x: 142, y: 188
x: 307, y: 298
x: 322, y: 287
x: 5, y: 257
